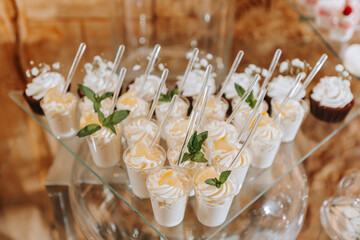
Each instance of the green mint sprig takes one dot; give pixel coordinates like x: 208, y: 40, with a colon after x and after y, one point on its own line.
x: 250, y: 99
x: 218, y: 182
x: 96, y: 99
x: 194, y: 147
x: 169, y: 96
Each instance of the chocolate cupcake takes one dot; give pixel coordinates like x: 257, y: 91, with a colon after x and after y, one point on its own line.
x: 36, y: 90
x: 331, y: 99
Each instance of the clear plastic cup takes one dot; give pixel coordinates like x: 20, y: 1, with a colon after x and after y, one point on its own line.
x: 169, y: 211
x: 62, y: 121
x: 138, y: 176
x: 105, y: 150
x: 175, y: 137
x: 264, y: 153
x: 135, y: 129
x: 212, y: 212
x: 291, y: 123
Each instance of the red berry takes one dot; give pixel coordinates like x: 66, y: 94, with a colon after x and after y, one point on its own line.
x: 347, y: 11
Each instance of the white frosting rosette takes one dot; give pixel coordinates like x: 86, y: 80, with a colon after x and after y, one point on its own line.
x: 147, y: 89
x: 194, y: 82
x: 39, y: 85
x: 280, y: 86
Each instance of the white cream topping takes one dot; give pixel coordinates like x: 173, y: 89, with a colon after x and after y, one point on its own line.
x: 280, y: 86
x: 210, y: 191
x: 267, y: 135
x: 39, y: 85
x: 98, y: 74
x: 168, y: 184
x: 140, y: 128
x: 176, y: 128
x: 54, y: 102
x: 86, y: 104
x: 138, y: 107
x: 141, y: 157
x: 292, y: 111
x: 244, y: 81
x: 332, y: 92
x: 224, y: 157
x: 179, y: 111
x: 220, y: 129
x: 216, y: 108
x: 105, y: 135
x: 147, y: 89
x: 194, y: 82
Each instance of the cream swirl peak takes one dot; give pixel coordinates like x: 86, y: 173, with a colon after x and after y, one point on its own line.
x: 147, y: 89
x: 142, y: 157
x: 140, y: 128
x: 54, y: 102
x: 244, y: 81
x: 179, y: 111
x: 138, y: 107
x: 175, y: 131
x: 194, y: 82
x: 220, y: 129
x: 224, y: 152
x: 168, y: 184
x: 267, y: 131
x: 332, y: 92
x: 292, y: 110
x: 227, y: 189
x: 280, y: 86
x: 216, y: 108
x: 98, y: 74
x: 39, y: 85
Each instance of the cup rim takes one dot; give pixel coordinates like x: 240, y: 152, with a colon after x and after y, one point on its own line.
x: 187, y: 175
x: 127, y: 151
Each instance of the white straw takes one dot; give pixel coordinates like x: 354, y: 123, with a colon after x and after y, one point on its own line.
x: 167, y: 115
x: 243, y: 98
x: 248, y: 138
x: 291, y: 93
x: 205, y: 81
x: 74, y: 66
x: 253, y: 113
x: 120, y: 81
x: 153, y: 57
x: 311, y: 75
x: 116, y: 65
x: 189, y: 67
x: 194, y: 115
x: 271, y: 69
x: 233, y: 68
x: 157, y: 94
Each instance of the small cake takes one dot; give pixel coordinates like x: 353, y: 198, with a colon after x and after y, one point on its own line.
x: 97, y: 76
x: 43, y: 81
x: 331, y: 99
x: 326, y: 10
x: 344, y: 25
x: 147, y: 89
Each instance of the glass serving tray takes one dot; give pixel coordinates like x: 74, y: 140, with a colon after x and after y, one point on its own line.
x: 113, y: 182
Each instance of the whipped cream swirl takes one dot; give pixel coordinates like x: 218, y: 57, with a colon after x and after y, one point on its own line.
x: 332, y: 92
x: 292, y: 111
x: 140, y: 128
x: 39, y: 85
x: 168, y: 184
x: 98, y: 74
x: 147, y: 89
x: 244, y: 81
x: 179, y: 111
x: 86, y: 104
x: 140, y: 159
x: 267, y: 136
x: 220, y: 129
x: 194, y: 82
x: 216, y: 108
x: 224, y: 157
x: 175, y: 130
x: 280, y: 86
x: 54, y: 102
x: 138, y: 107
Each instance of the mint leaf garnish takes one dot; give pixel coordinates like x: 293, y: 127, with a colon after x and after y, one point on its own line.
x: 194, y: 148
x: 96, y: 99
x: 250, y: 99
x: 87, y: 92
x: 88, y: 130
x: 218, y: 182
x: 169, y: 96
x: 116, y: 117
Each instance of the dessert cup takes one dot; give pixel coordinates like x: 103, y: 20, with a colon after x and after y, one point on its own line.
x: 175, y: 131
x: 105, y: 148
x: 290, y: 118
x: 169, y: 191
x: 60, y: 111
x: 265, y: 143
x: 218, y: 130
x: 212, y: 205
x: 140, y: 128
x: 86, y: 104
x: 193, y: 84
x: 138, y: 107
x: 224, y: 153
x: 140, y: 163
x: 180, y: 109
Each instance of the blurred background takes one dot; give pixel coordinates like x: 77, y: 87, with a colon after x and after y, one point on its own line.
x: 50, y: 31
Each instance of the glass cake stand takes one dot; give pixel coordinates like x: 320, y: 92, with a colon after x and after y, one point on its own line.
x: 104, y: 199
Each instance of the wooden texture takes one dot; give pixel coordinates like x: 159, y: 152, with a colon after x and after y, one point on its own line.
x: 40, y: 30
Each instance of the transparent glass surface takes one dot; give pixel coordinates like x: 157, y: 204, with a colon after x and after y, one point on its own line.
x: 115, y: 180
x: 338, y: 48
